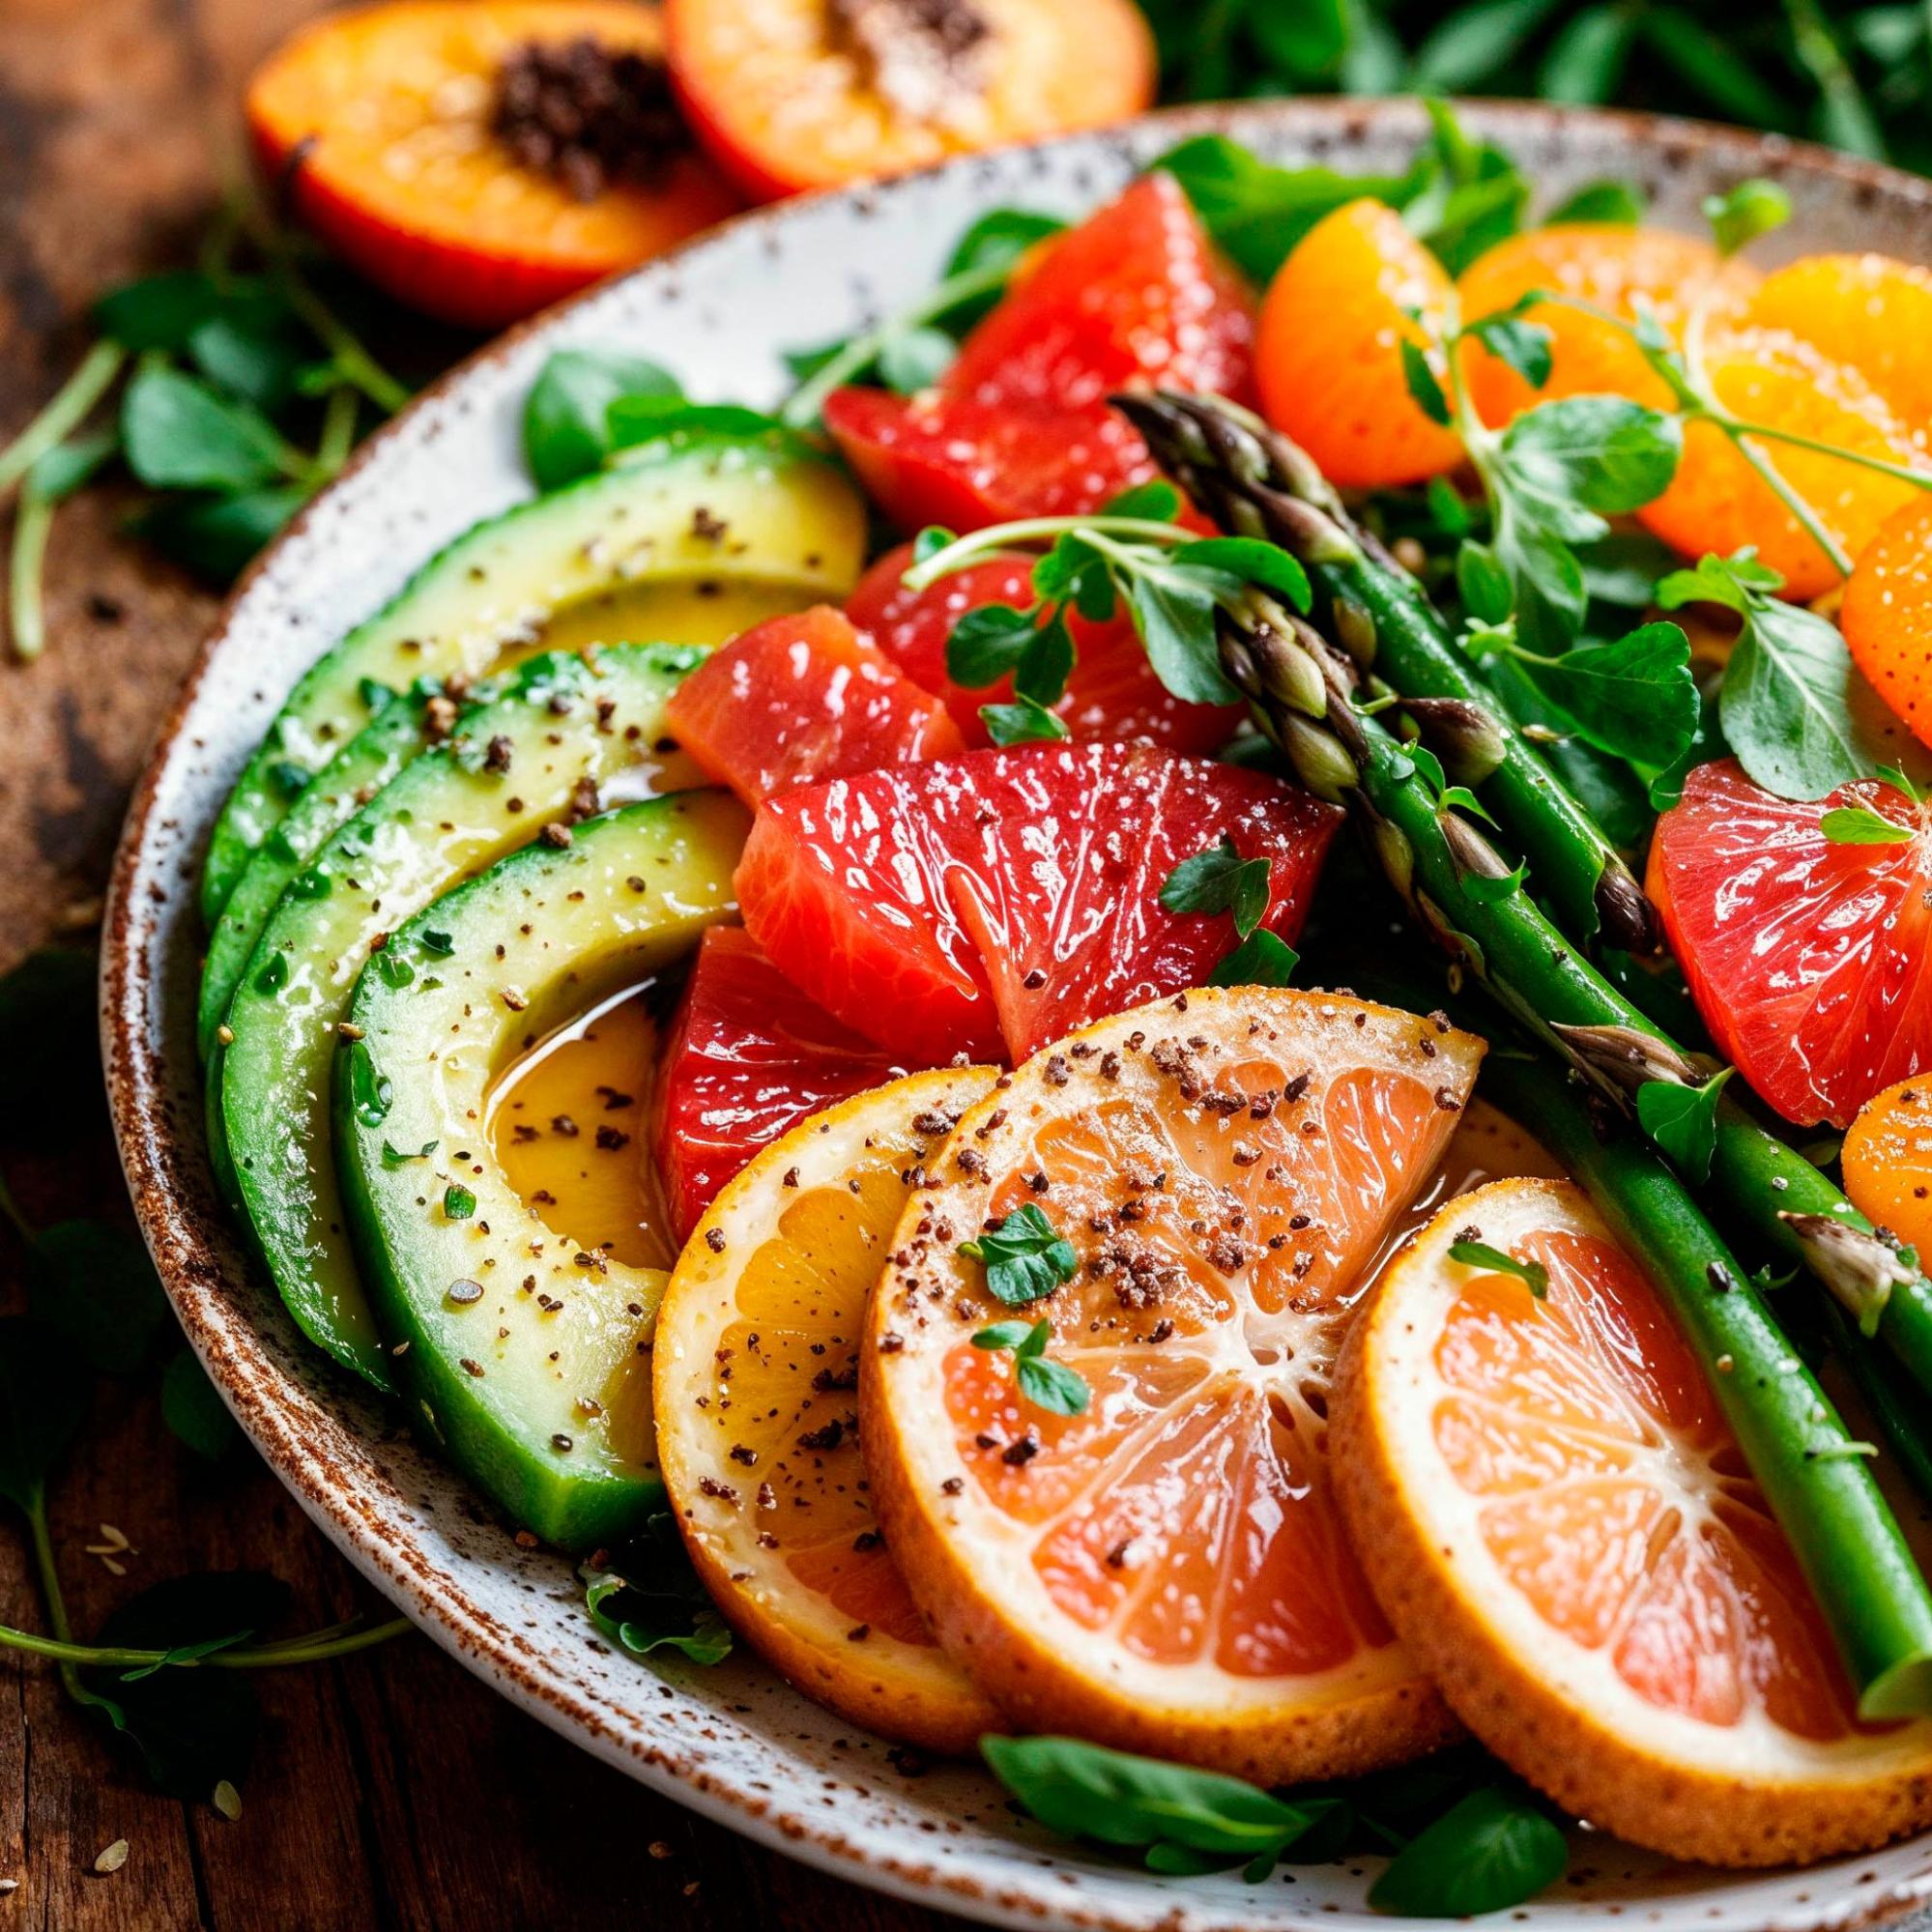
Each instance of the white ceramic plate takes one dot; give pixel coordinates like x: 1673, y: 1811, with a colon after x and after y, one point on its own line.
x: 734, y: 1741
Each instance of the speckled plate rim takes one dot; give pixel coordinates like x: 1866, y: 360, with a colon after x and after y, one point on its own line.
x: 339, y: 1473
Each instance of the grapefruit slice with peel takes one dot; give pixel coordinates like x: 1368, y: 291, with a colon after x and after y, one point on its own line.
x: 1163, y: 1570
x: 755, y: 1377
x: 1558, y: 1523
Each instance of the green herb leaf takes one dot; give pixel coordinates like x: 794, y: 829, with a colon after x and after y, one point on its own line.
x: 567, y: 430
x: 648, y: 1599
x: 1683, y: 1122
x: 1021, y: 722
x: 1024, y: 1257
x: 1615, y: 204
x: 987, y: 642
x: 1265, y: 565
x: 193, y: 1409
x: 1492, y: 1850
x: 998, y: 239
x: 1424, y: 392
x: 1474, y: 1254
x: 915, y: 359
x: 179, y: 433
x: 458, y: 1202
x: 1173, y: 610
x: 395, y: 1157
x: 1263, y: 959
x: 44, y: 1393
x: 1634, y: 698
x: 1605, y: 453
x: 1861, y: 826
x: 371, y: 1094
x: 95, y: 1287
x: 638, y: 422
x: 1046, y: 663
x: 1157, y: 501
x: 1047, y: 1385
x: 1004, y: 1335
x: 1525, y: 346
x: 1493, y: 891
x: 1219, y: 880
x: 1742, y: 213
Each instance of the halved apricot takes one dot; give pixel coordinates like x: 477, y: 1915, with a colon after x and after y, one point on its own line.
x: 798, y: 94
x: 479, y: 158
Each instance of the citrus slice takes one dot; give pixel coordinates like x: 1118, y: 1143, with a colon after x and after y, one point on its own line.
x: 1560, y: 1527
x: 754, y: 1377
x: 1162, y: 1570
x: 1888, y: 1161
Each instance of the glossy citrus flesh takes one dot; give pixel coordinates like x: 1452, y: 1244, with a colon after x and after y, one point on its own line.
x: 1329, y: 354
x: 747, y: 1059
x: 1716, y: 501
x: 377, y: 121
x: 1887, y: 616
x: 803, y: 697
x: 1112, y: 691
x: 1806, y: 957
x: 991, y: 903
x: 1866, y: 310
x: 755, y: 1380
x: 1166, y: 1570
x: 1887, y: 1161
x: 1559, y: 1524
x: 1621, y: 271
x: 788, y: 96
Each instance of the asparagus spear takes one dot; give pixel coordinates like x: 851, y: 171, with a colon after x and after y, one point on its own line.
x: 1840, y: 1526
x: 1255, y: 482
x: 1240, y: 468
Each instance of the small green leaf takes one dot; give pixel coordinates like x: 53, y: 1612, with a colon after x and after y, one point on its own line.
x: 182, y: 434
x: 1021, y: 722
x: 219, y: 537
x: 1425, y: 391
x: 1494, y: 1850
x: 998, y: 239
x: 1155, y: 500
x: 986, y: 644
x: 1493, y: 891
x: 1482, y: 583
x: 1524, y: 346
x: 1742, y: 213
x: 1219, y: 880
x: 1041, y: 676
x: 930, y: 540
x: 648, y: 1598
x: 437, y: 943
x: 1266, y: 565
x: 395, y: 1157
x: 1024, y: 1257
x: 915, y: 359
x: 1861, y: 826
x: 1053, y: 1386
x: 1263, y: 959
x: 193, y: 1409
x: 1004, y: 1335
x: 1614, y: 204
x: 371, y: 1094
x: 566, y: 416
x: 1683, y: 1122
x: 1634, y: 696
x: 1475, y: 1253
x: 458, y: 1202
x: 1605, y: 453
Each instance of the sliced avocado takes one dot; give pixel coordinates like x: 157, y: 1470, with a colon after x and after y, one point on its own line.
x: 716, y: 509
x: 571, y: 734
x: 525, y: 1354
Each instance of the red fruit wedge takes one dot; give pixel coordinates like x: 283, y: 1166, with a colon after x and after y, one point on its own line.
x: 749, y: 1057
x: 1807, y: 957
x: 801, y: 697
x: 1137, y: 293
x: 1112, y: 692
x: 996, y: 902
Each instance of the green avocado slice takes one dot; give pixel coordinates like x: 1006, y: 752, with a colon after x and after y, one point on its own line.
x: 569, y: 735
x: 525, y: 1357
x: 716, y: 509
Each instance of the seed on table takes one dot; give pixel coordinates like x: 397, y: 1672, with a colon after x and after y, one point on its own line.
x: 112, y: 1859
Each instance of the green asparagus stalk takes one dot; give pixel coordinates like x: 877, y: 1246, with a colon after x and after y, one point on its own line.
x: 1255, y: 482
x: 1458, y: 887
x: 1815, y: 1478
x: 1238, y: 467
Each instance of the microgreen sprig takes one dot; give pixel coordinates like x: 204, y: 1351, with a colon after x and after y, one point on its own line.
x: 1046, y: 1384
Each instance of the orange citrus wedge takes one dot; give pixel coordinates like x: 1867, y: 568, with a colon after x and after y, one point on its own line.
x: 1888, y: 1161
x: 1559, y: 1525
x: 755, y: 1380
x: 1164, y: 1571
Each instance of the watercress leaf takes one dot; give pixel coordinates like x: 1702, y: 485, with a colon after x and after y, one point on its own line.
x: 638, y: 422
x: 68, y: 465
x: 1178, y: 1861
x: 986, y: 642
x: 1607, y: 453
x: 1046, y: 663
x: 159, y: 311
x: 260, y: 363
x: 1024, y: 1257
x: 1615, y: 204
x: 915, y: 359
x: 1424, y: 389
x: 1021, y: 722
x: 1482, y: 582
x: 179, y: 433
x: 1683, y: 1122
x: 1789, y: 699
x: 648, y: 1598
x: 94, y: 1286
x: 1474, y: 41
x: 1861, y: 826
x: 1004, y: 1335
x: 193, y: 1409
x: 1156, y: 499
x: 1744, y: 212
x: 1263, y: 959
x: 1219, y: 880
x: 1173, y: 612
x: 44, y: 1394
x: 1494, y: 1849
x: 1087, y: 1791
x: 1623, y: 568
x: 1634, y: 696
x: 1545, y: 579
x: 50, y: 1070
x: 1058, y: 570
x: 930, y: 540
x: 1525, y: 346
x: 1451, y: 512
x: 1258, y: 211
x: 1475, y: 198
x: 1266, y: 565
x: 1474, y: 1254
x: 1051, y: 1386
x: 567, y: 430
x: 998, y: 239
x: 218, y: 537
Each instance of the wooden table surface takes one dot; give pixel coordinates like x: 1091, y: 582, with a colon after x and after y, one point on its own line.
x: 391, y: 1790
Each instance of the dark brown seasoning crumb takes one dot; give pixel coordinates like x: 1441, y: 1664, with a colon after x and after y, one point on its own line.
x: 554, y: 834
x: 714, y: 1240
x: 1016, y: 1455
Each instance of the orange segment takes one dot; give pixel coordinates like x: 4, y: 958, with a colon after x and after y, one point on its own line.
x: 1887, y: 1161
x: 1887, y: 614
x: 1164, y: 1570
x: 1866, y: 310
x: 1555, y: 1518
x: 1718, y: 502
x: 1617, y: 270
x: 756, y: 1379
x: 1328, y: 357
